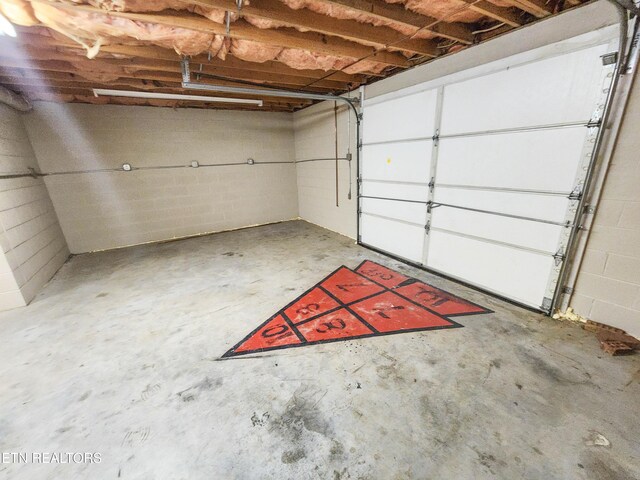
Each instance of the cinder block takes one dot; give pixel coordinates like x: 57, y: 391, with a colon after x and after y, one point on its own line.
x: 608, y: 289
x: 630, y: 217
x: 609, y: 212
x: 623, y: 268
x: 625, y: 318
x: 582, y: 304
x: 593, y: 262
x: 616, y: 240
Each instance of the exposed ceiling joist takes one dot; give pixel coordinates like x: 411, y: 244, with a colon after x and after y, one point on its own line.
x: 85, y: 97
x: 282, y: 37
x: 60, y: 80
x: 12, y: 59
x: 159, y: 53
x: 109, y: 76
x: 312, y: 46
x: 306, y: 19
x: 538, y: 8
x: 399, y: 14
x: 491, y: 10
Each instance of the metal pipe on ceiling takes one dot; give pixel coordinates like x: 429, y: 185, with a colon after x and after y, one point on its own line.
x: 188, y: 84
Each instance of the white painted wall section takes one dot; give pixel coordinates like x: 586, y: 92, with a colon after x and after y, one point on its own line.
x: 315, y: 135
x: 103, y: 210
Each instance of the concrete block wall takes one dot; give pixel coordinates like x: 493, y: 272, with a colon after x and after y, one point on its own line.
x: 105, y: 210
x: 32, y: 245
x: 315, y: 135
x: 608, y: 286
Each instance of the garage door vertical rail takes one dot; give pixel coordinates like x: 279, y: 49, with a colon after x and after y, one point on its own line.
x: 572, y: 256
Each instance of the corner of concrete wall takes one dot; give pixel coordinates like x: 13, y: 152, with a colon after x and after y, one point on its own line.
x: 33, y: 245
x: 315, y: 150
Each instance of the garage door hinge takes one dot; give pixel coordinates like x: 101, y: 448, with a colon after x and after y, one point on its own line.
x: 558, y: 257
x: 432, y: 184
x: 609, y: 58
x: 576, y: 193
x: 436, y: 138
x: 593, y: 123
x: 427, y: 227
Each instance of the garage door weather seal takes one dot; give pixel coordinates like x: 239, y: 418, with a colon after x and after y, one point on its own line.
x: 370, y: 301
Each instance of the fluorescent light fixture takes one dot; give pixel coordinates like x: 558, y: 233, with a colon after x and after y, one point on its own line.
x: 6, y: 28
x: 172, y: 96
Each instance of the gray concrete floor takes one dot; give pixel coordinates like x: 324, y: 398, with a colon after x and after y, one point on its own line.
x: 120, y: 355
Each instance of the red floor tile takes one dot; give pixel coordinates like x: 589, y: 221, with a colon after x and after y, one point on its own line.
x: 338, y: 324
x: 389, y: 312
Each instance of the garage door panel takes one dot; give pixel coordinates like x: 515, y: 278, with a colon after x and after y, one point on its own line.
x: 521, y: 160
x: 559, y: 89
x: 400, y: 238
x: 412, y: 116
x: 414, y: 192
x: 539, y: 236
x: 511, y: 149
x: 408, y: 212
x: 513, y: 273
x: 545, y: 207
x: 402, y: 161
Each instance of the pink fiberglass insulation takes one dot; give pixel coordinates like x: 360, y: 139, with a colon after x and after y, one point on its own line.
x: 251, y: 51
x: 93, y: 29
x: 345, y: 13
x: 449, y: 10
x: 105, y: 29
x: 213, y: 14
x: 438, y: 9
x: 19, y: 12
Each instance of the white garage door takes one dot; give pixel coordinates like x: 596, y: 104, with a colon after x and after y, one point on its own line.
x: 480, y: 179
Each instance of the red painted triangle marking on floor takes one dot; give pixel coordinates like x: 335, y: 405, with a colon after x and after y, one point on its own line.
x: 438, y: 300
x: 347, y: 304
x: 338, y: 324
x: 389, y: 312
x: 347, y: 286
x: 382, y: 275
x: 311, y: 304
x: 275, y: 333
